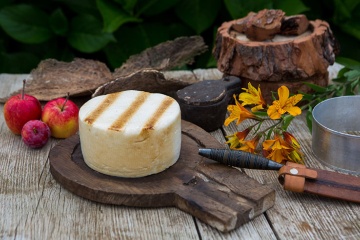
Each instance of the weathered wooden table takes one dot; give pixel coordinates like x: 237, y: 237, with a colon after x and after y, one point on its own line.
x: 34, y: 206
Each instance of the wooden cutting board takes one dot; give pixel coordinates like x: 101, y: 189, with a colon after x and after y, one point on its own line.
x: 218, y: 195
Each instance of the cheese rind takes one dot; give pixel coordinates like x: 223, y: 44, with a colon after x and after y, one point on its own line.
x: 130, y: 133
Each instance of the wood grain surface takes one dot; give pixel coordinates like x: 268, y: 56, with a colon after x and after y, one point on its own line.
x: 34, y: 206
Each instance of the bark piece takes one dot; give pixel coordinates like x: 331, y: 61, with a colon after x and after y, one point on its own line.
x: 164, y: 56
x: 284, y: 58
x: 148, y: 80
x: 264, y: 25
x: 240, y: 24
x: 294, y: 25
x: 53, y: 79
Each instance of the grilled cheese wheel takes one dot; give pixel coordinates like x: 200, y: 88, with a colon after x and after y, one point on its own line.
x: 130, y: 133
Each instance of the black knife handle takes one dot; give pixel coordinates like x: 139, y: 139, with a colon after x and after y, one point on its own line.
x: 239, y: 159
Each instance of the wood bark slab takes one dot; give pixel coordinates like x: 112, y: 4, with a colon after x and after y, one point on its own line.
x: 53, y: 79
x: 220, y: 196
x: 164, y: 56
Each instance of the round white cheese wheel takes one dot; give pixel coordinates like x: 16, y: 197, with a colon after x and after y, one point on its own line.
x: 130, y: 133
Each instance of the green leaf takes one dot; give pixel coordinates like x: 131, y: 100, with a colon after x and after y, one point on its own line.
x: 260, y: 114
x: 315, y: 87
x: 286, y: 121
x: 291, y: 7
x: 352, y: 74
x: 113, y: 15
x: 25, y: 23
x: 341, y: 12
x: 352, y: 28
x: 59, y: 23
x: 24, y: 62
x: 82, y: 7
x: 240, y: 8
x: 127, y: 5
x: 268, y: 135
x: 198, y: 14
x: 159, y: 6
x: 307, y: 97
x: 349, y: 63
x: 339, y: 80
x: 86, y: 34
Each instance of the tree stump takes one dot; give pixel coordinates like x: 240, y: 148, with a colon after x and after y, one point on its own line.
x: 271, y: 49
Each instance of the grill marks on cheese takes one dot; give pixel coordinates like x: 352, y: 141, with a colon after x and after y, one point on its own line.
x: 130, y: 111
x: 91, y: 118
x: 159, y: 111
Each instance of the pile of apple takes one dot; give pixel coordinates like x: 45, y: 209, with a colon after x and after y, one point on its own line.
x: 24, y: 116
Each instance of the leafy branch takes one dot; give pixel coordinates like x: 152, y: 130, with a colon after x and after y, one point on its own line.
x: 347, y: 83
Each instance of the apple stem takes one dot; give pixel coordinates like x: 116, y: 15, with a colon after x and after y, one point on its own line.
x: 67, y: 98
x: 23, y: 90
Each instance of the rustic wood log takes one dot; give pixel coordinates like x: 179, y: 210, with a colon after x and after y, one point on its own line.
x: 284, y: 58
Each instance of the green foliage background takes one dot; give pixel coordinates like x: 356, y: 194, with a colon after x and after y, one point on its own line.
x: 112, y: 30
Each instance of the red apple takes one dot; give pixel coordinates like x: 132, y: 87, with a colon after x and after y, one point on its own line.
x: 20, y: 109
x: 62, y: 117
x: 35, y: 133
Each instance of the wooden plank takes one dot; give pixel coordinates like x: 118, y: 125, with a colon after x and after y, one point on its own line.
x: 10, y: 83
x: 259, y: 228
x: 35, y: 206
x: 305, y: 216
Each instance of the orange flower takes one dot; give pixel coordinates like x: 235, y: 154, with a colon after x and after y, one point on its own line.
x: 284, y: 104
x: 252, y: 97
x: 276, y: 149
x: 250, y: 145
x: 236, y: 139
x: 295, y: 155
x: 239, y: 113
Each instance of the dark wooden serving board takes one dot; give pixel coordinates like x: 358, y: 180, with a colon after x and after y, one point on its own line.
x: 218, y: 195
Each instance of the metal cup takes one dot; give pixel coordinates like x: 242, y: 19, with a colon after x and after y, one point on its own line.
x: 332, y: 143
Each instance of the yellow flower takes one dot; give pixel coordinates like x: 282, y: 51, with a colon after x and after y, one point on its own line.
x: 235, y: 139
x: 276, y: 149
x: 250, y: 145
x: 238, y: 112
x: 252, y: 97
x: 284, y: 104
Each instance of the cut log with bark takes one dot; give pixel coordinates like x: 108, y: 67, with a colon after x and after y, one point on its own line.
x: 291, y: 56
